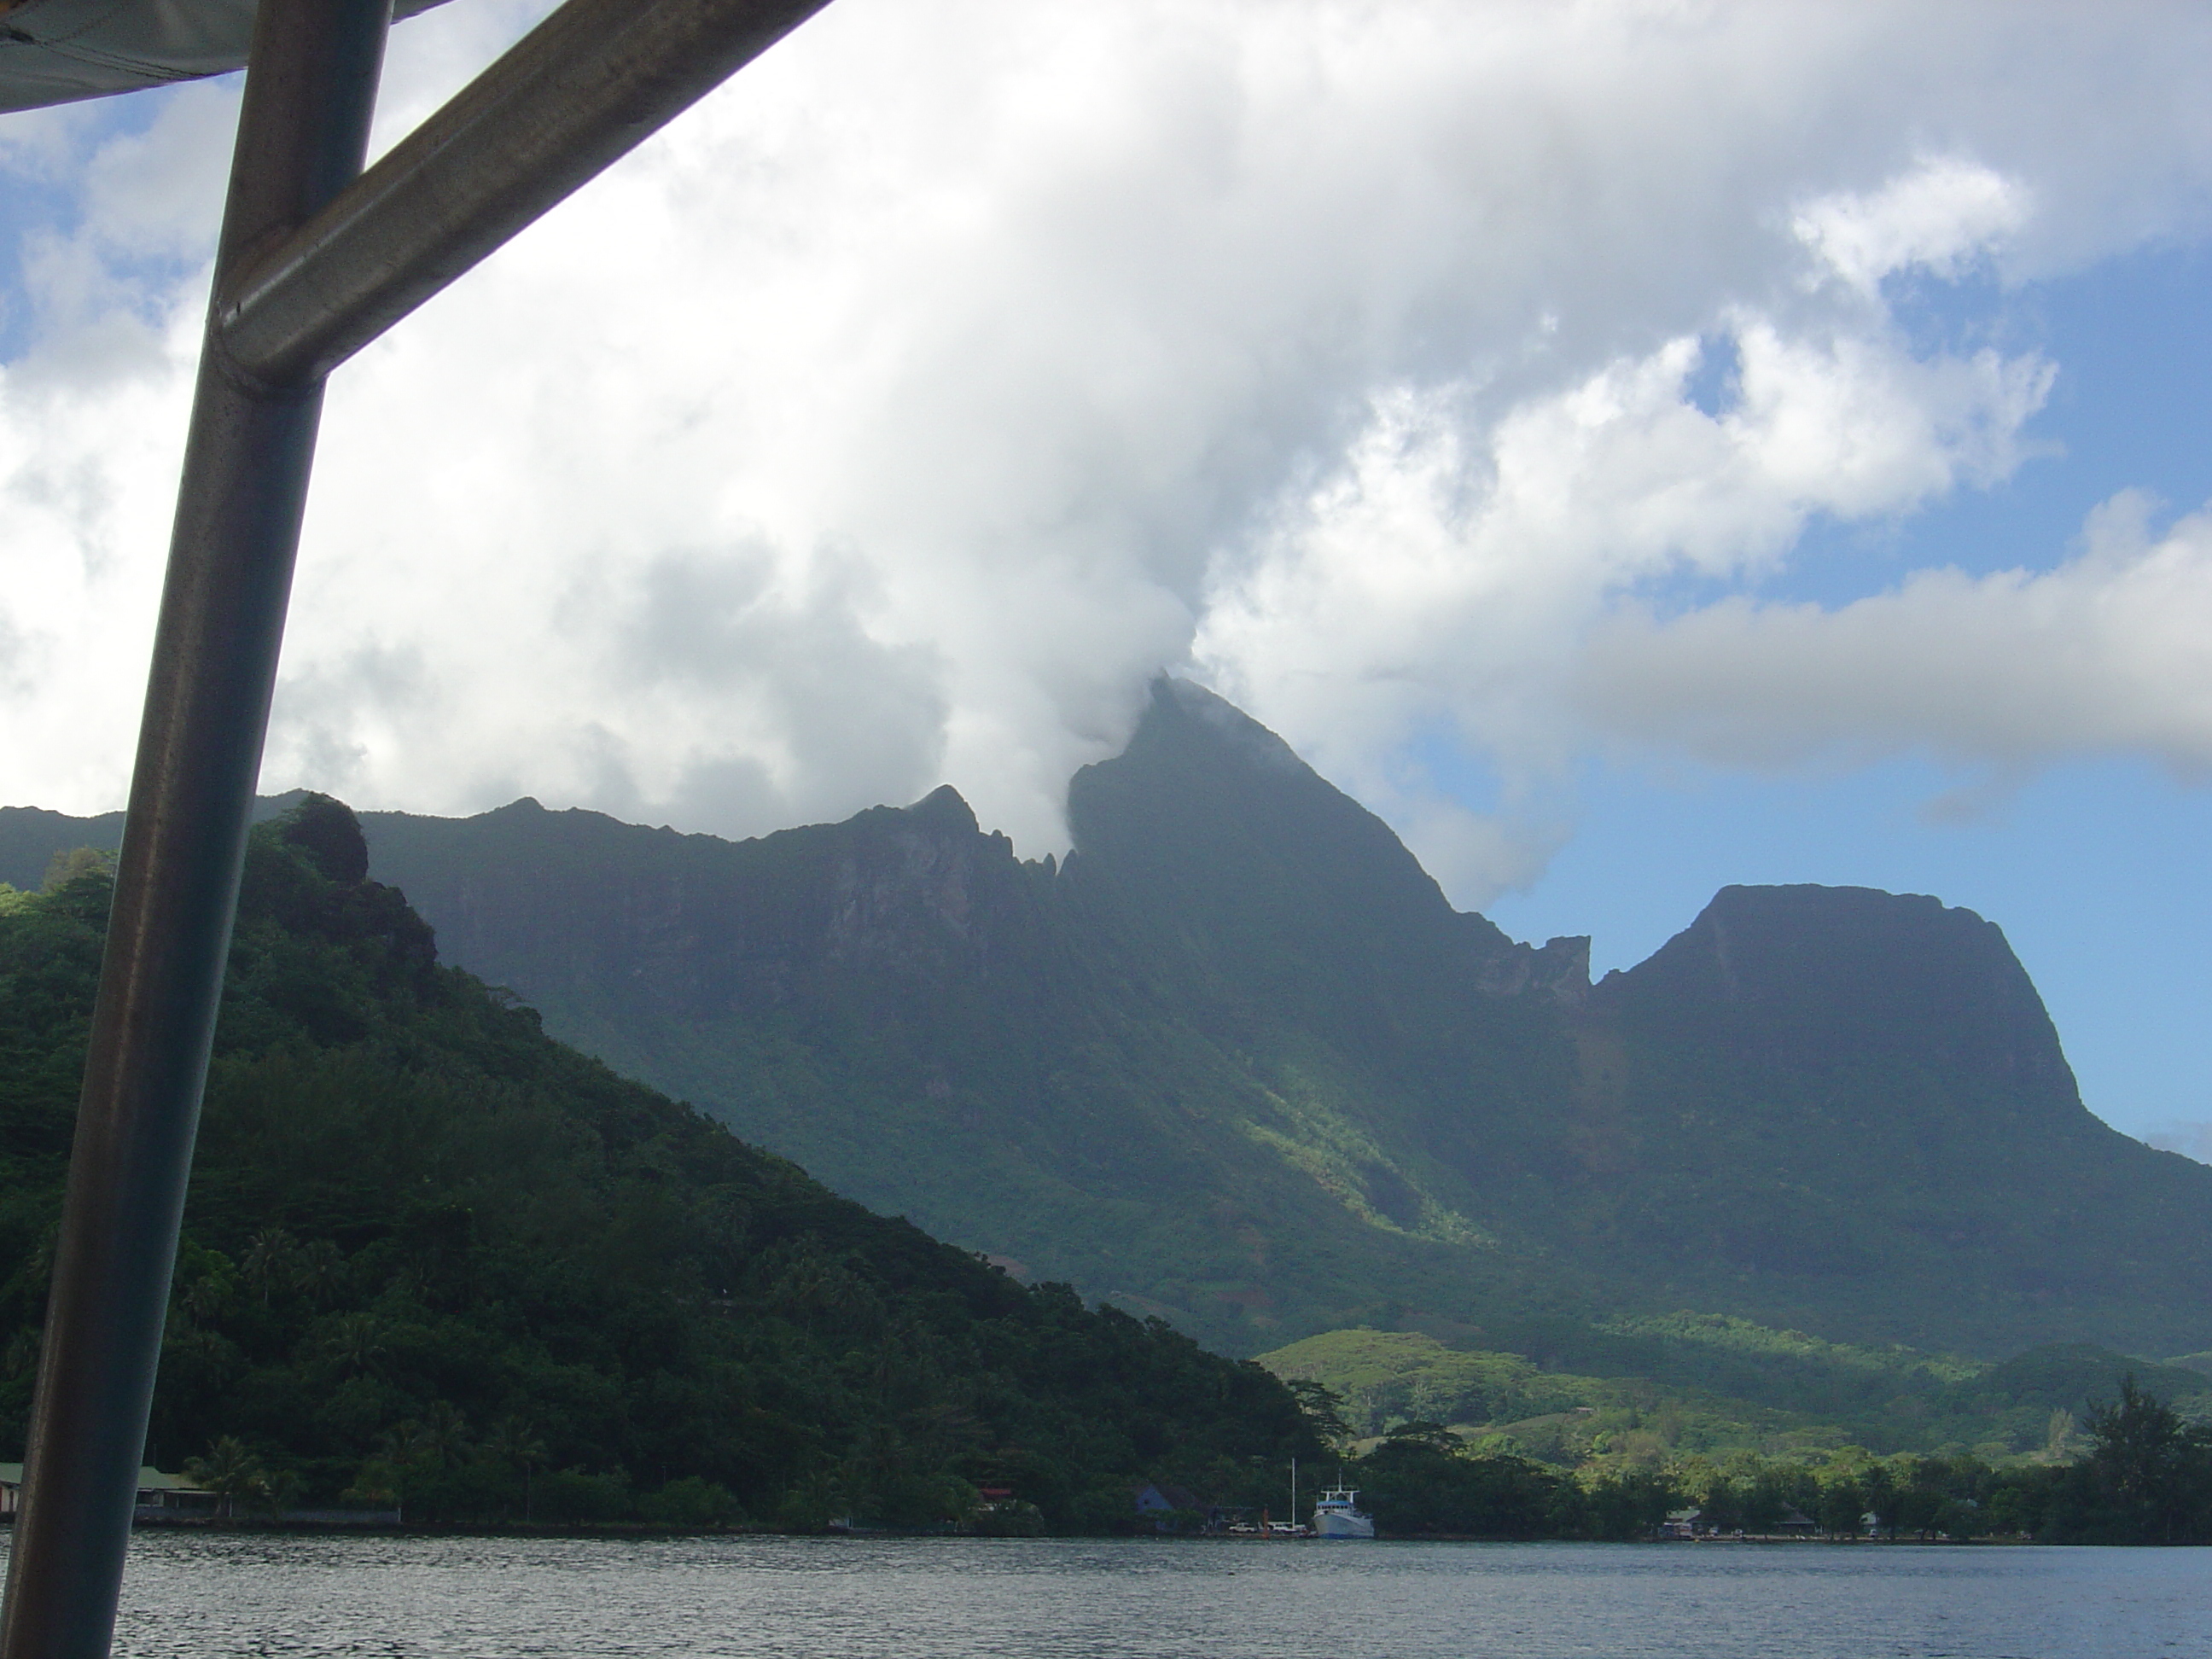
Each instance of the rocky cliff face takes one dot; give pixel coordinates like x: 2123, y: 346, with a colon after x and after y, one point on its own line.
x: 1558, y: 970
x: 1210, y: 830
x: 1828, y: 976
x: 1855, y: 1100
x: 577, y: 905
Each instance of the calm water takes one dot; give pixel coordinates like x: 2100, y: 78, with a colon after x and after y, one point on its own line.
x: 842, y: 1599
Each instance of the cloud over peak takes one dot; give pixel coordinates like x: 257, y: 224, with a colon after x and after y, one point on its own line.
x: 896, y: 415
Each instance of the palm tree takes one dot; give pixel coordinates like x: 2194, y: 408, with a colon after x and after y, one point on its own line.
x: 445, y: 1434
x: 317, y: 1269
x: 404, y: 1442
x: 205, y: 1298
x: 227, y: 1470
x: 514, y: 1443
x: 401, y: 1448
x: 355, y: 1340
x: 269, y: 1260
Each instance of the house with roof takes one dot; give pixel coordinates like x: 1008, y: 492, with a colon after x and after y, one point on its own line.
x: 161, y: 1496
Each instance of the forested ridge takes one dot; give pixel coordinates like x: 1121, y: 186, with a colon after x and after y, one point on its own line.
x: 433, y: 1260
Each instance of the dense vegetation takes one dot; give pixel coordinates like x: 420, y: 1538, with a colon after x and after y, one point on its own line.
x: 1484, y: 1444
x: 433, y: 1259
x: 2146, y: 1479
x: 1887, y: 1400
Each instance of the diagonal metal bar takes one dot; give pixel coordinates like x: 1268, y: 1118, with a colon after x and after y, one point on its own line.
x: 310, y: 88
x: 588, y: 85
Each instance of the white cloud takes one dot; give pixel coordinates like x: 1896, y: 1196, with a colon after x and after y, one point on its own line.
x: 1941, y: 217
x: 2111, y: 650
x: 1453, y: 568
x: 900, y: 411
x: 2190, y: 1139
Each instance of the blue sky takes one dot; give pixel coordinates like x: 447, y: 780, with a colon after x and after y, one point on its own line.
x: 1634, y: 448
x: 2099, y: 871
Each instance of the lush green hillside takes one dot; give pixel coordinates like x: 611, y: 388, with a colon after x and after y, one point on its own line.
x: 433, y: 1255
x: 31, y: 837
x: 2033, y: 1406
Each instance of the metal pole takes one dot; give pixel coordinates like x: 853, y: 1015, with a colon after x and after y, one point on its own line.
x: 310, y: 86
x: 582, y: 89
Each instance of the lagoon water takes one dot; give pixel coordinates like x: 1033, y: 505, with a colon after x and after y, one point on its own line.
x: 210, y: 1594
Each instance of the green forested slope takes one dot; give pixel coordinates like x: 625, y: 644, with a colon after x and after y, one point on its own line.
x: 2037, y: 1404
x: 431, y: 1255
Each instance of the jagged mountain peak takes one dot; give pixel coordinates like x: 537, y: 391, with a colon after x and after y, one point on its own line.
x: 1183, y: 706
x: 1208, y: 812
x: 947, y: 808
x: 1849, y: 972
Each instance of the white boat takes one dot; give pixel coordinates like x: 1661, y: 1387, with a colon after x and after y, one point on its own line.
x: 1334, y: 1516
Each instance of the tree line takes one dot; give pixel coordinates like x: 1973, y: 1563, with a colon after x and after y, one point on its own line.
x: 2146, y: 1479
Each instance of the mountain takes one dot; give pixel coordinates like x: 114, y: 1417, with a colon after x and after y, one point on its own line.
x: 31, y: 836
x: 1834, y: 1108
x: 1237, y: 1062
x: 1855, y: 1100
x: 957, y: 1036
x: 433, y: 1257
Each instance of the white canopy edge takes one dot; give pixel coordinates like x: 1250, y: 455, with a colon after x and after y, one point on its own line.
x: 55, y: 52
